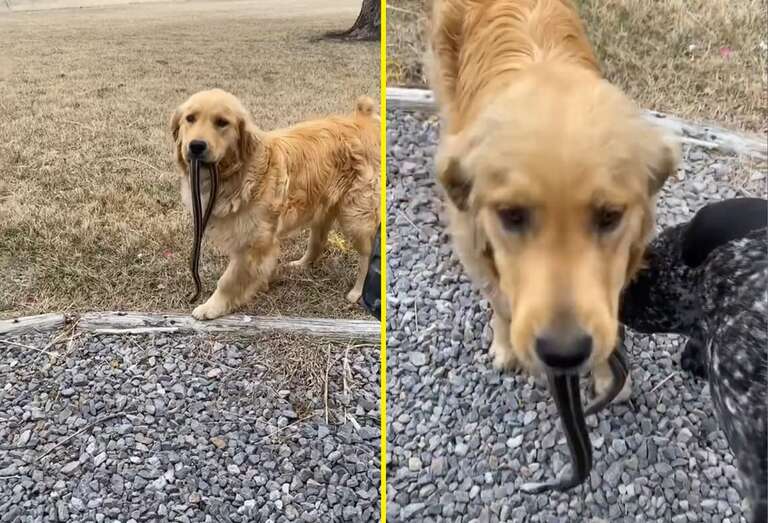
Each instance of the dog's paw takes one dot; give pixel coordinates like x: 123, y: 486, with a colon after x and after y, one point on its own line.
x: 504, y: 357
x: 209, y: 310
x: 298, y: 265
x: 354, y: 295
x: 600, y: 387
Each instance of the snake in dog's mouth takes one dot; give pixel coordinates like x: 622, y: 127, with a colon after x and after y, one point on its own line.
x: 200, y: 220
x: 566, y: 393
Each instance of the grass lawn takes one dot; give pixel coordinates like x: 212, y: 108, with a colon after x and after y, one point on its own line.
x: 90, y: 213
x: 699, y: 59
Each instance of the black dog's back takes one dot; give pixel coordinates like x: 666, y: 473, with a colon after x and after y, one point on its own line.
x: 736, y: 355
x: 708, y: 280
x: 718, y: 223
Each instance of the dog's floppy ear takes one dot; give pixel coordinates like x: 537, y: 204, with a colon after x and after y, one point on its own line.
x: 451, y: 174
x: 249, y: 139
x: 175, y: 122
x: 174, y: 125
x: 663, y: 163
x: 663, y: 156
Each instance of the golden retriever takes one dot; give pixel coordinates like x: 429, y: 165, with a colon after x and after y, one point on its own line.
x: 551, y: 175
x: 275, y: 183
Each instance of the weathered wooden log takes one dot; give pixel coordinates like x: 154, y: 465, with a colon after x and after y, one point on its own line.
x: 236, y: 324
x: 699, y: 134
x: 32, y: 324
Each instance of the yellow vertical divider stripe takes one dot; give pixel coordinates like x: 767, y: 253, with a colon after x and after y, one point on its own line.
x: 383, y: 245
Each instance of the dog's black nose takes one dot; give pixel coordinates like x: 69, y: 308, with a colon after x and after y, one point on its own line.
x: 564, y: 349
x: 197, y: 147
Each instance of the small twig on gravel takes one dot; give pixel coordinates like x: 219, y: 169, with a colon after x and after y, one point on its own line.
x: 30, y: 347
x: 325, y: 391
x: 662, y: 382
x: 744, y: 192
x: 60, y: 336
x: 401, y: 213
x: 13, y: 343
x: 142, y: 357
x: 345, y: 369
x: 72, y: 337
x: 86, y: 428
x: 10, y: 477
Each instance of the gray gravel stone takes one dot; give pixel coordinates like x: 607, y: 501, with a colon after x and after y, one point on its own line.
x: 515, y: 441
x: 24, y: 438
x: 10, y: 470
x: 152, y: 428
x: 685, y: 435
x: 418, y: 359
x: 70, y: 467
x: 61, y: 511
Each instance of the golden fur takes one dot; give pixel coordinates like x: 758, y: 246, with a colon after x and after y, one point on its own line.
x: 275, y: 183
x: 530, y: 126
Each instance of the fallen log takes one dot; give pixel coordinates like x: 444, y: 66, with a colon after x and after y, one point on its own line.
x: 235, y: 324
x: 32, y: 324
x: 693, y: 133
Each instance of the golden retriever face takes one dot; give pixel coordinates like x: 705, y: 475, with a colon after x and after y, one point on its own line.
x: 213, y: 127
x: 560, y: 185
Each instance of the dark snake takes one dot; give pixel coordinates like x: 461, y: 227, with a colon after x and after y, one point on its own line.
x: 566, y: 393
x: 200, y: 220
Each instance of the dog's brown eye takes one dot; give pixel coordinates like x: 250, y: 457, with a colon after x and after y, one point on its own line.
x: 221, y: 122
x: 606, y: 219
x: 515, y: 219
x: 191, y: 118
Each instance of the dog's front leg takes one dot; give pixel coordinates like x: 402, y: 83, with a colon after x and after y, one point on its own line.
x: 603, y: 378
x: 363, y: 261
x: 248, y: 272
x: 501, y: 350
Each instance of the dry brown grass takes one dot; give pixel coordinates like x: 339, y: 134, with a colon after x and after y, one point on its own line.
x: 699, y: 59
x: 317, y: 374
x: 90, y: 215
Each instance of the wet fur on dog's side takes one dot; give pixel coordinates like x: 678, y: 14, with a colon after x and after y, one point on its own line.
x: 708, y: 279
x: 275, y: 183
x: 550, y: 171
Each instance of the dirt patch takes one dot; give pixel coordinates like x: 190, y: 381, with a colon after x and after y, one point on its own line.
x: 90, y: 215
x: 703, y: 59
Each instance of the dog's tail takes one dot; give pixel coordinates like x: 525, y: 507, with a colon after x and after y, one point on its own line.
x: 365, y: 107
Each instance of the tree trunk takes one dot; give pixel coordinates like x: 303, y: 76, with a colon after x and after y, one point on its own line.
x: 366, y: 27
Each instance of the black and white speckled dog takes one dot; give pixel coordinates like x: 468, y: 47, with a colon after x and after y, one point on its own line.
x: 708, y: 279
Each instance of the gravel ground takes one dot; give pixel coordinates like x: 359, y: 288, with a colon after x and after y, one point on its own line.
x: 463, y: 437
x: 173, y: 428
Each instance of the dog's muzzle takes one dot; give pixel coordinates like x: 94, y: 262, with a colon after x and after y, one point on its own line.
x: 197, y: 149
x: 564, y: 351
